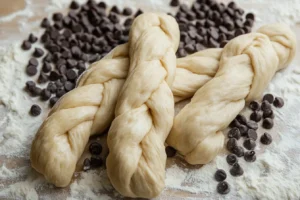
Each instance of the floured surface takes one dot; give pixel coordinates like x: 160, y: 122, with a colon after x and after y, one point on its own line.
x: 275, y: 174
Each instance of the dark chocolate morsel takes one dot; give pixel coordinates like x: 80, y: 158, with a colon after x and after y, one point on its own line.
x: 249, y: 144
x: 252, y: 134
x: 250, y: 156
x: 268, y: 114
x: 252, y: 125
x: 234, y: 133
x: 31, y: 70
x: 170, y: 151
x: 96, y: 161
x: 231, y: 159
x: 238, y: 151
x: 223, y: 188
x: 35, y: 110
x: 269, y: 98
x: 38, y: 52
x: 95, y: 148
x: 256, y: 116
x: 266, y: 139
x: 242, y: 119
x: 26, y: 45
x: 53, y: 101
x: 278, y: 102
x: 231, y: 143
x: 236, y: 170
x: 254, y: 105
x: 268, y: 123
x: 243, y: 129
x: 265, y: 105
x: 220, y: 175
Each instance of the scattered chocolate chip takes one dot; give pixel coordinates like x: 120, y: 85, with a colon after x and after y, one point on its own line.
x: 36, y: 91
x: 256, y: 116
x: 74, y: 5
x: 45, y: 95
x: 33, y: 61
x: 30, y: 85
x: 76, y: 52
x: 252, y: 125
x: 265, y: 105
x: 223, y: 44
x: 268, y: 123
x: 45, y: 23
x: 26, y: 45
x: 54, y: 76
x: 32, y: 38
x: 35, y: 110
x: 254, y: 105
x: 69, y: 86
x: 60, y: 92
x: 234, y: 133
x: 96, y: 161
x: 231, y: 143
x: 250, y: 156
x: 53, y: 101
x: 269, y: 98
x: 236, y: 170
x: 268, y: 114
x: 220, y: 175
x: 46, y: 67
x: 223, y: 188
x: 238, y: 151
x: 93, y: 58
x: 278, y: 102
x: 86, y: 164
x: 139, y: 12
x: 38, y: 52
x: 231, y: 159
x: 252, y: 134
x: 242, y: 119
x: 31, y: 70
x: 266, y: 139
x: 95, y: 148
x: 249, y: 144
x: 174, y: 3
x: 243, y: 129
x: 43, y: 78
x: 51, y: 87
x: 71, y: 74
x: 250, y: 16
x: 235, y: 123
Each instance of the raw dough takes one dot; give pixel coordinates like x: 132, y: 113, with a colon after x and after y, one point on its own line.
x: 247, y: 65
x: 145, y: 109
x: 55, y: 149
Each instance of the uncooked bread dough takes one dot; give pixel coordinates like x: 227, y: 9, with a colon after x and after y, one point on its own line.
x: 89, y: 109
x: 247, y: 65
x: 145, y: 109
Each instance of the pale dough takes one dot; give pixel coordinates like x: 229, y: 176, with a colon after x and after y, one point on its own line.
x: 55, y: 149
x: 247, y: 65
x: 145, y: 109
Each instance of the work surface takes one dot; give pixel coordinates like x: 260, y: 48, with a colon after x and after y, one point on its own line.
x: 275, y: 174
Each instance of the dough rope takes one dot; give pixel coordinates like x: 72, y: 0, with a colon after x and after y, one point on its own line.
x: 247, y: 65
x: 89, y: 109
x: 145, y: 109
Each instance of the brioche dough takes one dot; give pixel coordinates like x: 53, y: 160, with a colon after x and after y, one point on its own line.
x: 145, y: 109
x: 247, y: 65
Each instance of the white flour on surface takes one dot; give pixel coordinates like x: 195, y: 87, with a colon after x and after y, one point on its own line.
x: 274, y: 175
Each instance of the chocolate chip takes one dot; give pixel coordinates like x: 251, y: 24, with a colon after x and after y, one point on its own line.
x: 86, y: 164
x: 38, y: 52
x: 60, y: 92
x: 190, y: 48
x: 220, y: 175
x: 223, y: 44
x: 57, y: 17
x: 266, y: 139
x: 54, y: 76
x: 96, y: 161
x: 76, y: 52
x: 247, y: 29
x: 53, y: 101
x: 45, y: 23
x: 231, y: 159
x: 32, y: 38
x: 235, y: 123
x: 174, y: 3
x: 45, y: 95
x: 93, y: 58
x: 234, y: 133
x: 43, y: 78
x: 252, y: 134
x: 26, y: 45
x: 242, y: 119
x: 69, y: 86
x: 59, y: 25
x: 252, y: 125
x: 254, y: 105
x: 62, y: 69
x: 30, y: 85
x: 250, y: 156
x: 170, y: 151
x: 265, y: 105
x: 35, y: 110
x: 249, y: 144
x: 278, y: 102
x: 269, y: 98
x: 33, y: 61
x: 248, y: 22
x: 239, y: 32
x: 95, y: 148
x: 71, y: 75
x: 223, y: 188
x: 139, y: 12
x: 127, y: 11
x: 52, y: 87
x: 48, y: 58
x: 256, y: 116
x: 236, y: 170
x: 45, y: 38
x: 36, y: 91
x: 74, y: 5
x: 268, y: 123
x: 250, y: 16
x: 243, y: 129
x: 71, y: 63
x: 268, y: 114
x: 238, y: 151
x: 231, y: 144
x: 31, y: 70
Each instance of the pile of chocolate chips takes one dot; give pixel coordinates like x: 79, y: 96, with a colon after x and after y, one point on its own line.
x: 246, y: 129
x: 96, y: 160
x: 86, y: 34
x: 89, y: 31
x: 209, y: 24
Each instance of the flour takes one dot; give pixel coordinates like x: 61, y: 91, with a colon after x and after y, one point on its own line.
x: 274, y: 175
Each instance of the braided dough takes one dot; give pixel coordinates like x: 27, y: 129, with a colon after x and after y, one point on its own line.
x: 89, y: 109
x: 145, y: 109
x: 247, y: 65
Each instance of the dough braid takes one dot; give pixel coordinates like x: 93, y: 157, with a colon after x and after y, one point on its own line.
x: 247, y: 65
x: 89, y: 109
x: 145, y: 109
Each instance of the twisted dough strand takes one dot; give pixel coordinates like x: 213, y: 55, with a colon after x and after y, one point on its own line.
x: 89, y: 109
x: 247, y: 65
x: 145, y: 109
